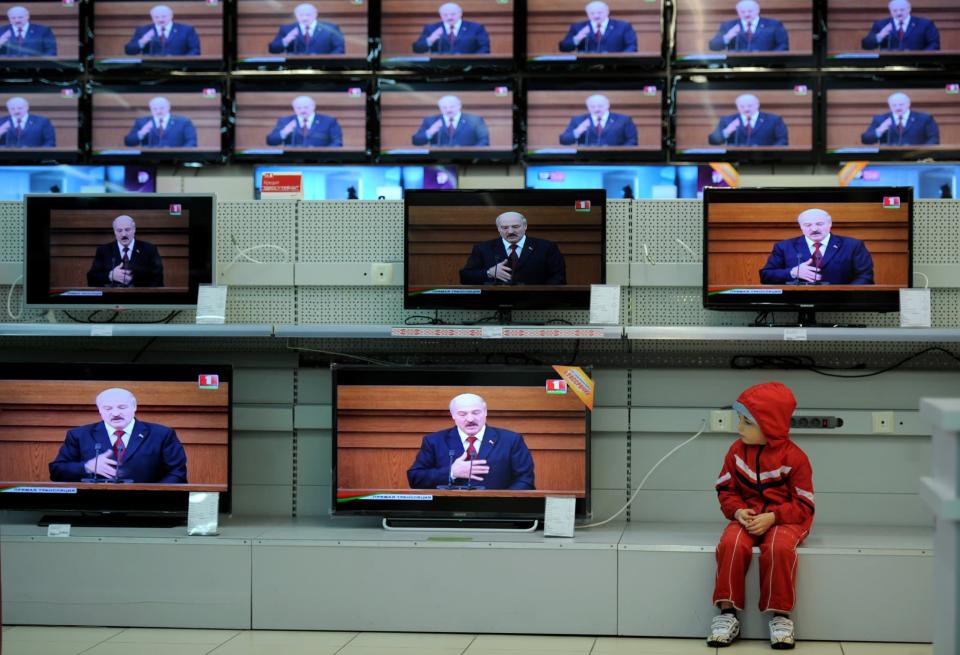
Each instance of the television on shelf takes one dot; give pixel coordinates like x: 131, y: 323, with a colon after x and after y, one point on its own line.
x: 174, y: 424
x: 398, y: 451
x: 138, y: 251
x: 18, y: 181
x: 806, y: 250
x: 39, y: 122
x: 930, y: 181
x: 360, y: 182
x: 40, y: 34
x: 503, y: 250
x: 650, y: 182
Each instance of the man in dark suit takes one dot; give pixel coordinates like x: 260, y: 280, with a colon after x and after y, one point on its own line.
x: 451, y: 127
x: 900, y: 126
x: 126, y: 262
x: 902, y: 31
x: 21, y: 129
x: 818, y: 257
x: 599, y: 33
x: 26, y: 39
x: 120, y: 448
x: 161, y: 129
x: 472, y: 453
x: 307, y: 36
x: 306, y: 128
x: 599, y: 126
x: 514, y: 258
x: 750, y: 33
x: 750, y: 126
x: 163, y: 37
x: 453, y: 35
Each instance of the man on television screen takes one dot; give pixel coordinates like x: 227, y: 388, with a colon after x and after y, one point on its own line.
x: 902, y: 31
x: 900, y: 126
x: 161, y: 129
x: 120, y: 448
x: 750, y: 33
x: 307, y: 36
x: 162, y: 37
x: 305, y: 128
x: 817, y: 256
x: 472, y: 453
x: 127, y: 261
x: 749, y: 126
x: 453, y: 35
x: 26, y: 39
x: 514, y: 258
x: 451, y: 127
x: 21, y: 129
x: 599, y: 126
x: 599, y: 33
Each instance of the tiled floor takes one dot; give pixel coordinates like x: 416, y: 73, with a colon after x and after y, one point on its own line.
x: 35, y: 640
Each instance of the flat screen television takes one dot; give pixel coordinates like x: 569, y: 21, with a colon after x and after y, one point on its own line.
x: 18, y: 181
x: 362, y: 182
x: 39, y: 123
x: 650, y: 182
x: 59, y: 457
x: 807, y: 249
x: 40, y: 34
x: 589, y: 120
x: 929, y: 181
x: 893, y: 118
x: 147, y: 251
x: 398, y: 453
x: 441, y: 35
x: 459, y: 249
x: 294, y: 34
x: 175, y: 34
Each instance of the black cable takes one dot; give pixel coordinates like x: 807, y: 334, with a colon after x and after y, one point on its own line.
x: 576, y: 351
x: 807, y: 363
x: 143, y: 350
x: 424, y: 320
x: 891, y: 367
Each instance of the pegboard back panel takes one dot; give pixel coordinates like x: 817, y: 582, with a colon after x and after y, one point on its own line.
x: 250, y: 225
x: 936, y: 232
x: 351, y: 231
x: 619, y: 218
x: 275, y: 305
x: 659, y: 224
x: 11, y: 227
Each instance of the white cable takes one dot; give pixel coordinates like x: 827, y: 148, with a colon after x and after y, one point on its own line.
x: 685, y: 247
x: 643, y: 481
x: 243, y: 253
x: 10, y: 297
x: 926, y: 280
x: 646, y: 255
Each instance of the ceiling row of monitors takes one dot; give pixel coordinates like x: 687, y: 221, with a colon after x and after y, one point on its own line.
x: 706, y: 121
x: 358, y: 33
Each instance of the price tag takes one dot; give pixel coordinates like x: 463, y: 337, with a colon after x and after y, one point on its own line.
x: 58, y: 530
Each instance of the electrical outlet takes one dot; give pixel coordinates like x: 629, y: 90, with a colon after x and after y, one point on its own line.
x: 381, y: 274
x: 883, y: 422
x: 721, y: 420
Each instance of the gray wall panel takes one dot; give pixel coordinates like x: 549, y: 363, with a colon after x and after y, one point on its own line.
x: 314, y: 385
x: 262, y: 500
x: 313, y: 500
x: 264, y: 418
x: 608, y: 460
x: 314, y: 456
x: 611, y: 387
x: 263, y: 386
x: 262, y: 458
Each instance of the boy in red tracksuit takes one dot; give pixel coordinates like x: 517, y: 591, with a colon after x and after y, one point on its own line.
x: 766, y: 491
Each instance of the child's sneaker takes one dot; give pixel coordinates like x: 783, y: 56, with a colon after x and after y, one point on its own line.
x: 781, y: 633
x: 724, y: 630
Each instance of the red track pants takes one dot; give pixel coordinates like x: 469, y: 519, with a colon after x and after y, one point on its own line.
x: 778, y: 566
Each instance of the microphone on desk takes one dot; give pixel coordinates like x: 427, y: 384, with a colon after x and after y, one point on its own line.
x: 96, y: 463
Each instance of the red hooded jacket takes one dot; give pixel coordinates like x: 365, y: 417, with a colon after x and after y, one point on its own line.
x: 775, y: 477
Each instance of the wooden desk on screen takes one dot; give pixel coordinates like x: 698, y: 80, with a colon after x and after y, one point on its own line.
x: 501, y: 493
x: 698, y: 22
x: 117, y: 21
x: 849, y: 21
x: 404, y: 20
x: 549, y: 113
x: 548, y: 22
x: 259, y: 21
x: 120, y: 486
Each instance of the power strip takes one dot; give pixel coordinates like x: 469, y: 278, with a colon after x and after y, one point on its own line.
x: 816, y: 422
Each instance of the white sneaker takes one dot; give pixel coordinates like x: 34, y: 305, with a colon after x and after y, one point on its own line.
x: 724, y: 630
x: 781, y: 633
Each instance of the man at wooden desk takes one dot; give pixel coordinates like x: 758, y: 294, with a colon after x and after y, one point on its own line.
x: 453, y: 35
x: 900, y: 126
x: 599, y: 33
x: 902, y: 31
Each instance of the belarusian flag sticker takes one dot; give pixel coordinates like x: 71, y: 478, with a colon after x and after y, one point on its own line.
x: 891, y: 202
x: 582, y: 205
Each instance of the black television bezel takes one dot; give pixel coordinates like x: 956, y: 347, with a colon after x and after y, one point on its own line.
x: 891, y: 81
x: 540, y: 300
x: 41, y: 156
x: 202, y: 244
x: 806, y: 301
x: 136, y: 501
x: 691, y: 82
x: 487, y: 506
x: 606, y: 156
x: 701, y: 167
x: 47, y: 64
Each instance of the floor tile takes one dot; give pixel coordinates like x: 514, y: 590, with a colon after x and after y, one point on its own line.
x: 493, y: 644
x: 350, y: 649
x: 41, y: 648
x: 282, y: 642
x: 411, y: 640
x: 866, y: 648
x: 642, y: 646
x: 79, y: 637
x: 172, y: 636
x: 143, y: 648
x: 762, y: 647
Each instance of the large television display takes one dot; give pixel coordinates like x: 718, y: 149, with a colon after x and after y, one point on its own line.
x: 40, y: 34
x: 130, y: 438
x: 628, y: 182
x: 118, y: 250
x: 39, y: 122
x: 807, y: 249
x: 470, y: 442
x: 503, y: 250
x: 362, y: 182
x: 930, y: 181
x: 18, y: 181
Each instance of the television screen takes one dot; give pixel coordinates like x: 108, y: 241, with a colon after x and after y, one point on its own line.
x: 40, y: 34
x: 929, y: 181
x: 319, y: 122
x: 460, y: 34
x: 641, y: 182
x: 807, y: 249
x: 162, y: 123
x: 893, y: 31
x: 17, y: 181
x: 174, y: 425
x: 39, y: 122
x: 292, y: 32
x: 764, y: 120
x: 179, y: 33
x: 115, y: 250
x: 447, y: 121
x: 594, y: 121
x: 362, y: 182
x: 745, y: 32
x: 488, y: 442
x: 587, y: 30
x: 503, y: 250
x: 893, y: 119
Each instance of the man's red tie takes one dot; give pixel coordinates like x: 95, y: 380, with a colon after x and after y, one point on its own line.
x: 450, y: 130
x: 19, y: 128
x: 159, y: 131
x: 451, y: 36
x: 900, y: 128
x: 304, y: 129
x: 599, y: 129
x: 163, y: 38
x: 20, y: 37
x: 126, y: 257
x: 748, y: 129
x: 118, y: 448
x: 598, y: 34
x: 900, y: 30
x: 471, y: 450
x: 817, y: 255
x: 306, y: 35
x: 749, y: 33
x: 513, y: 258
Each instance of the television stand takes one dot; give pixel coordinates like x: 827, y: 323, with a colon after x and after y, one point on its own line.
x: 806, y: 318
x: 462, y: 525
x: 115, y: 520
